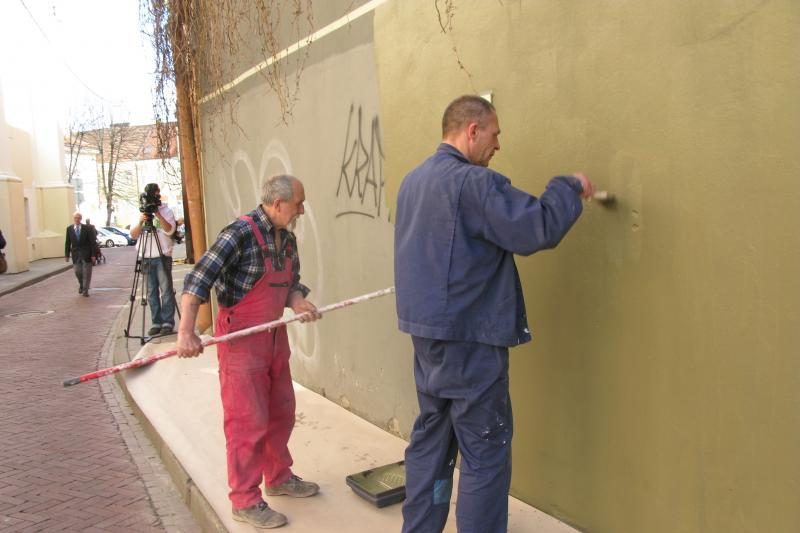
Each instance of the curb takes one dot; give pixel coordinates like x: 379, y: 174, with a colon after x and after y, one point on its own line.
x: 33, y: 280
x: 198, y: 506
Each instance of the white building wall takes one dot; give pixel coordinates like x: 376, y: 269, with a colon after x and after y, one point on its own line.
x: 32, y: 143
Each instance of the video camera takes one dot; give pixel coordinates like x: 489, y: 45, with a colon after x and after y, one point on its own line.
x: 150, y: 199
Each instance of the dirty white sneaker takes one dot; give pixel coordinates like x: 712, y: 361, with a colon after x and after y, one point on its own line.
x: 260, y: 516
x: 294, y: 487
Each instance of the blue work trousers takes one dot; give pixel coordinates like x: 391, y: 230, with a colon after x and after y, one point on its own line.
x: 160, y: 296
x: 462, y: 389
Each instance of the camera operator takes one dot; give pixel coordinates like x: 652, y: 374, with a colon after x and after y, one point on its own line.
x: 157, y: 266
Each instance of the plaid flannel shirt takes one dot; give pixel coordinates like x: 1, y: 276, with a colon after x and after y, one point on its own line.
x: 235, y: 263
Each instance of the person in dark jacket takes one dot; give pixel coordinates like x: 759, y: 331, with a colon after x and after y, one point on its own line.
x: 459, y: 296
x: 79, y: 246
x: 3, y: 263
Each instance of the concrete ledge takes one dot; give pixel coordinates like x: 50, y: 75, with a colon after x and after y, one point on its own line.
x: 198, y: 505
x: 179, y: 398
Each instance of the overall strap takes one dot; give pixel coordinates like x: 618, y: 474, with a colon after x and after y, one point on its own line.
x: 257, y: 233
x: 260, y: 239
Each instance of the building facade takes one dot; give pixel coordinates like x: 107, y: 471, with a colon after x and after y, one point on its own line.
x: 660, y: 392
x: 36, y: 203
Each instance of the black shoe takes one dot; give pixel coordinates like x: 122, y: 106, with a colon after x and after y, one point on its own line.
x: 155, y: 330
x: 80, y: 290
x: 86, y: 293
x: 166, y: 330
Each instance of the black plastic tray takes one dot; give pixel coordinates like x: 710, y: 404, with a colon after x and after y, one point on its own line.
x: 382, y: 485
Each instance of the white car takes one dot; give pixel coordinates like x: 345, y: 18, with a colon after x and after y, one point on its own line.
x: 109, y: 240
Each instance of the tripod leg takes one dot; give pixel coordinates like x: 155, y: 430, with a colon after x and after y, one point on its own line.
x: 141, y: 272
x: 137, y: 274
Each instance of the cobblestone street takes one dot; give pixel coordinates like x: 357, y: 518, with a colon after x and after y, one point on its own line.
x: 74, y: 459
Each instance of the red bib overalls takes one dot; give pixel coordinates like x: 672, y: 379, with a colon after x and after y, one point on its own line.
x: 256, y: 385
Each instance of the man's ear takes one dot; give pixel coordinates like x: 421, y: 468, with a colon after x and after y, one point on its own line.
x: 472, y: 130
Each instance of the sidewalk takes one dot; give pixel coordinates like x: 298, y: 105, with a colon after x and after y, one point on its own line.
x: 177, y: 404
x: 179, y: 399
x: 37, y: 271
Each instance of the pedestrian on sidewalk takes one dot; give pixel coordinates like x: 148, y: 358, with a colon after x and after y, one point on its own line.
x: 459, y: 296
x: 159, y: 220
x: 79, y: 245
x: 96, y: 252
x: 254, y: 267
x: 3, y: 263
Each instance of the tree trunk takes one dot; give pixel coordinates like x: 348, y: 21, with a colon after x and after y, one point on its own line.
x: 188, y: 151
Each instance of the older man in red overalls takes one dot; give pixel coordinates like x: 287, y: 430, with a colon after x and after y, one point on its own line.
x: 255, y: 269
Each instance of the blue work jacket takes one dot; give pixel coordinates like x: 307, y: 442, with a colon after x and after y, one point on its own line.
x: 457, y: 228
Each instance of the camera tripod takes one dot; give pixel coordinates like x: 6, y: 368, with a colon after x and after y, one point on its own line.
x: 146, y: 238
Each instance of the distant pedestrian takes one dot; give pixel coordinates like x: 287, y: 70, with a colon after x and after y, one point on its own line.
x: 79, y: 246
x: 96, y: 253
x: 3, y: 263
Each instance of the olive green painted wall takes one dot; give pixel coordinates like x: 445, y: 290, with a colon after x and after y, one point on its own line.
x: 661, y: 391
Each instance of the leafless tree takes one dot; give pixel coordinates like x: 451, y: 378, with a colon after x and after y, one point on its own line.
x: 79, y: 123
x: 110, y: 143
x: 74, y: 145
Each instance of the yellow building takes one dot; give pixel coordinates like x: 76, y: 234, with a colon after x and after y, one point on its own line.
x: 36, y: 203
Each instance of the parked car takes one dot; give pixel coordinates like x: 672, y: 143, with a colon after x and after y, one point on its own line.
x: 109, y: 240
x: 124, y: 233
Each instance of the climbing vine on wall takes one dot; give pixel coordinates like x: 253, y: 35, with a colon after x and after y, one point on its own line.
x: 203, y: 41
x: 446, y: 12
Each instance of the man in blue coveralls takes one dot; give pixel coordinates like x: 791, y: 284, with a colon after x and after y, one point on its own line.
x: 459, y: 296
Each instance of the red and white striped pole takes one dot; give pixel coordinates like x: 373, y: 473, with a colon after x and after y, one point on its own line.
x: 208, y: 341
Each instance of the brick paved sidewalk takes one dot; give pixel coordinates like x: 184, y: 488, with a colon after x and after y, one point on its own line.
x: 68, y: 456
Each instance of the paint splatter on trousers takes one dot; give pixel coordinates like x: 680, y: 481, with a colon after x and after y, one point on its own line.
x: 462, y: 389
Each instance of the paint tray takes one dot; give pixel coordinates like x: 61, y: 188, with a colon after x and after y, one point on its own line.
x: 382, y: 485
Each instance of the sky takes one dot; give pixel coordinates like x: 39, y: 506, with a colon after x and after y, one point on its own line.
x: 83, y: 53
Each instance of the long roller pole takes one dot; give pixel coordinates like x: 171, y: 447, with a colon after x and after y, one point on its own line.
x: 208, y: 341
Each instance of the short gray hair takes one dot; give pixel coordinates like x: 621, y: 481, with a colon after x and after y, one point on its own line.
x: 463, y: 110
x: 280, y: 187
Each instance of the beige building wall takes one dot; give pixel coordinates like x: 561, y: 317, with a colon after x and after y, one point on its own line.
x: 660, y: 393
x: 11, y: 210
x: 12, y: 202
x: 333, y: 143
x: 54, y: 201
x: 44, y: 204
x: 39, y: 202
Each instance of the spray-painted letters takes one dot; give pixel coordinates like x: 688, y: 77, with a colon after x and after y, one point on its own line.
x: 361, y: 176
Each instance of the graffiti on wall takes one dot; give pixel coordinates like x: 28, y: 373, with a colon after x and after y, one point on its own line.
x: 360, y: 187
